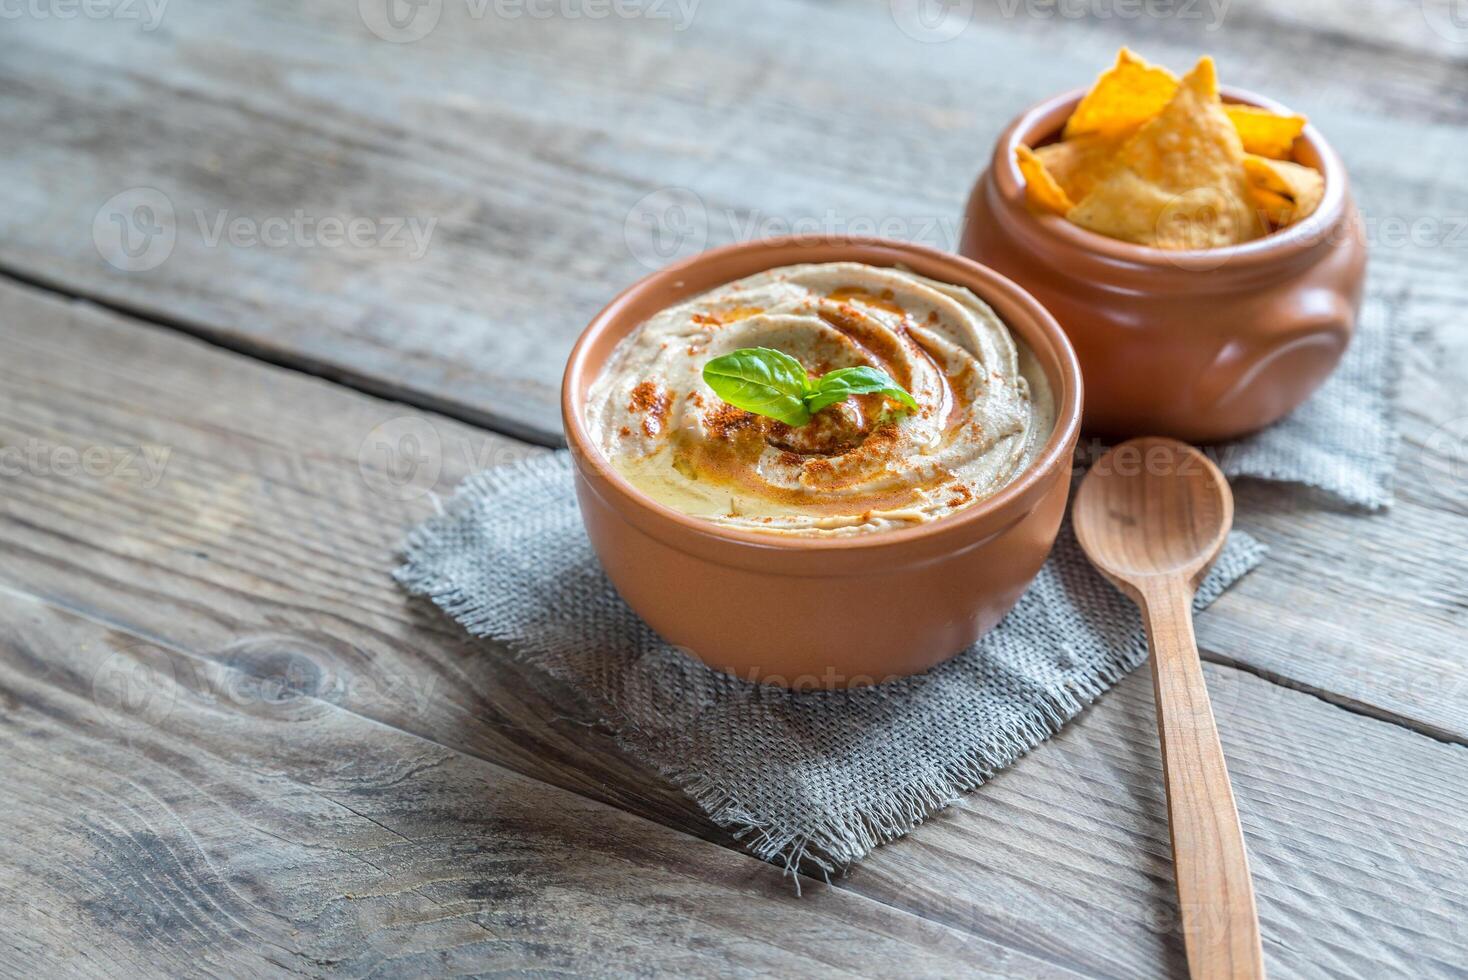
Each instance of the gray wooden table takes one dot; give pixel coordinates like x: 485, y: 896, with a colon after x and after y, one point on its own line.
x: 273, y: 274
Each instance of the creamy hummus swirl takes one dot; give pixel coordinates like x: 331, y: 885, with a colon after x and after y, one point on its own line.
x: 861, y: 465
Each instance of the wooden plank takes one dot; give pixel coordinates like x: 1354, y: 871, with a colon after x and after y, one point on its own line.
x: 1368, y: 611
x: 1356, y: 832
x: 167, y: 816
x: 214, y: 822
x: 1388, y: 58
x: 531, y: 145
x: 264, y: 535
x: 1363, y: 610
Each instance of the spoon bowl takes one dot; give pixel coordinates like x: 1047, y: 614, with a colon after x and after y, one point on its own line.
x: 1153, y: 507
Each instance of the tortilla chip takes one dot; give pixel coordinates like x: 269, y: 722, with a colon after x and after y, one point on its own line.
x: 1286, y: 192
x: 1125, y: 96
x: 1078, y: 165
x: 1041, y: 190
x: 1276, y: 208
x: 1265, y: 133
x: 1179, y: 182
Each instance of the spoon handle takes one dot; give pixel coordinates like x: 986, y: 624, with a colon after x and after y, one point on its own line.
x: 1215, y: 895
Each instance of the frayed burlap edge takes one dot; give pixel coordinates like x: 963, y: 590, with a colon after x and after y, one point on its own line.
x: 837, y: 840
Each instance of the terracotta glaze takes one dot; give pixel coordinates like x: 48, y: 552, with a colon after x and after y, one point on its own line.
x: 822, y: 612
x: 1198, y: 345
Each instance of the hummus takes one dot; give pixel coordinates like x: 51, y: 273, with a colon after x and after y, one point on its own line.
x: 862, y: 465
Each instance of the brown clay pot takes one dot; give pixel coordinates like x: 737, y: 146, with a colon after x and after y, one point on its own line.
x: 811, y: 612
x: 1201, y: 345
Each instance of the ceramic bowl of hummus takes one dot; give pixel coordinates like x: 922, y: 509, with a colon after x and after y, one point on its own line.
x: 1200, y: 345
x: 876, y: 536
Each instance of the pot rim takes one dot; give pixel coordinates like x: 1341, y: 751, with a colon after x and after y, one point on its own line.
x: 1036, y: 327
x: 1043, y: 120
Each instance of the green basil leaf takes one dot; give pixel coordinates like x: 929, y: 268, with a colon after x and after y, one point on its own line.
x: 838, y: 385
x: 763, y: 381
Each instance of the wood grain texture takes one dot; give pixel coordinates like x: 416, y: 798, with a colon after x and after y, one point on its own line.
x: 1362, y: 610
x: 1216, y: 908
x: 251, y: 544
x: 1368, y: 611
x: 170, y: 816
x: 1068, y: 851
x: 531, y: 144
x: 264, y: 546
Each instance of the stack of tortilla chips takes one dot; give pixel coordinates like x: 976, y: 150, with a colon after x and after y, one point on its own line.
x: 1149, y: 159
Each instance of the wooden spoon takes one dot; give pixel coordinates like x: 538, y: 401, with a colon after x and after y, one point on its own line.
x: 1152, y: 515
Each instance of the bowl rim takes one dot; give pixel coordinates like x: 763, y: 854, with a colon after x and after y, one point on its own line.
x: 982, y: 518
x: 1043, y: 119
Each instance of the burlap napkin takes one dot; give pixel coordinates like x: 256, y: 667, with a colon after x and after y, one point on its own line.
x: 807, y: 779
